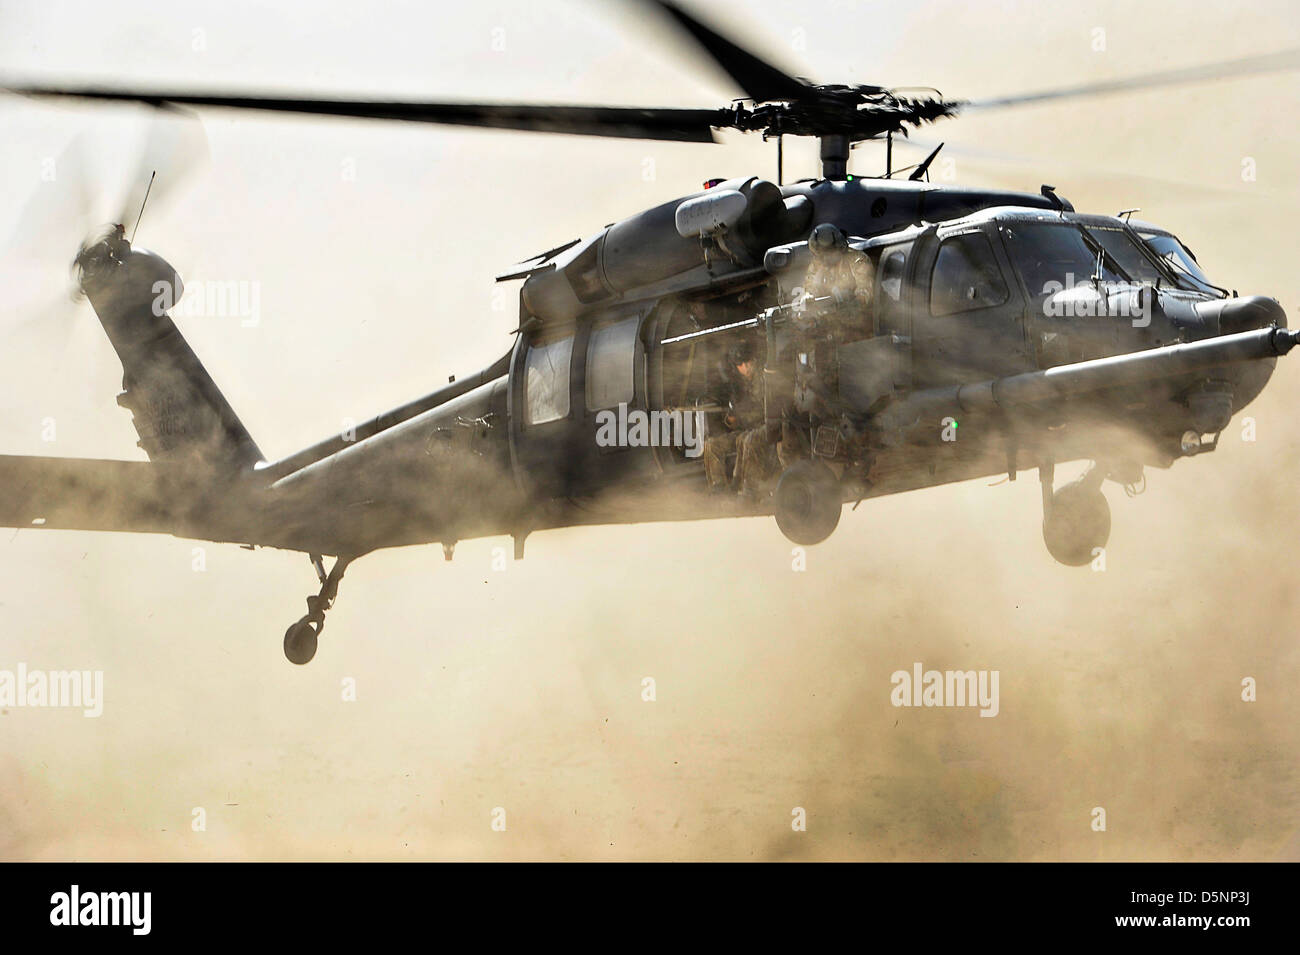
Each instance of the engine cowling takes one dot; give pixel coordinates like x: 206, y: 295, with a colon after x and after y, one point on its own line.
x: 733, y: 224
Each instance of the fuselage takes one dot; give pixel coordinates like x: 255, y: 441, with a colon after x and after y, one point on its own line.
x: 518, y: 451
x: 969, y: 287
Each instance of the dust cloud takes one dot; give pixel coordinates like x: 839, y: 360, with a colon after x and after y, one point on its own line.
x: 478, y: 688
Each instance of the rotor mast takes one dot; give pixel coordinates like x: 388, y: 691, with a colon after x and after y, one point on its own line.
x: 835, y: 157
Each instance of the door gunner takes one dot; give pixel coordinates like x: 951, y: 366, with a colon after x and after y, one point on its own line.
x: 741, y: 394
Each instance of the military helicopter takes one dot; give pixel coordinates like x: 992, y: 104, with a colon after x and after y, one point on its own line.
x: 1044, y: 334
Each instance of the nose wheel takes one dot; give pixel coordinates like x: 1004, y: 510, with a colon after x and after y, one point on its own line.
x: 301, y: 637
x: 1076, y: 518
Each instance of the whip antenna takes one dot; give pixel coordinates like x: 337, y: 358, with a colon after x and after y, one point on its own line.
x: 142, y: 204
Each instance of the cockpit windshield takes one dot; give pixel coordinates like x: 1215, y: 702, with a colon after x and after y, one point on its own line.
x: 1051, y: 256
x: 1125, y: 250
x: 1180, y: 260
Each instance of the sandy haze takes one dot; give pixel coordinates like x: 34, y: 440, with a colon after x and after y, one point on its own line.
x: 522, y: 688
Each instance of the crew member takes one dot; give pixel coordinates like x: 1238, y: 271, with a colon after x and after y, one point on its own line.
x: 837, y: 270
x: 740, y: 393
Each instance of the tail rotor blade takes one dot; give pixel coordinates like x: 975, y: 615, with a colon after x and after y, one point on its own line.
x: 175, y: 146
x: 67, y: 210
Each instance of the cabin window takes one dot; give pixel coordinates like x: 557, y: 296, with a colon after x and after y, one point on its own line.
x: 966, y: 276
x: 611, y: 365
x: 546, y: 381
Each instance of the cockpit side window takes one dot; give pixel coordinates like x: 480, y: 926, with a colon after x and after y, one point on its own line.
x: 966, y: 276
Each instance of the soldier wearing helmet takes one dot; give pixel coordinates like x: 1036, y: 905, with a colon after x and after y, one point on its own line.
x: 837, y: 270
x: 740, y: 393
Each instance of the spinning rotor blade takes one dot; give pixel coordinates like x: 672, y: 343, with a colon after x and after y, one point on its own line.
x: 71, y: 205
x: 673, y: 125
x: 1246, y: 66
x: 174, y: 147
x: 759, y: 79
x: 39, y: 295
x: 60, y: 209
x: 79, y: 198
x: 1077, y: 170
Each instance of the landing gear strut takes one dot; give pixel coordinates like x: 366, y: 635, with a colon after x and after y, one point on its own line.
x: 1076, y: 519
x: 300, y: 638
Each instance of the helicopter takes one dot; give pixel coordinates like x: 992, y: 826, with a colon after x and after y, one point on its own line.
x: 906, y: 334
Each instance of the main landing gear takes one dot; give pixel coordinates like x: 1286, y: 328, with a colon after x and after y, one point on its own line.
x: 807, y: 502
x: 1076, y: 519
x: 300, y: 638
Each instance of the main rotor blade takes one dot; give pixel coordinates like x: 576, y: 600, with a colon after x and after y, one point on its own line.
x: 1079, y: 170
x: 674, y: 125
x: 1246, y: 66
x: 758, y: 78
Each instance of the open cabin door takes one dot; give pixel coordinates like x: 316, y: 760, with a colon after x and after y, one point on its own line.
x: 679, y: 378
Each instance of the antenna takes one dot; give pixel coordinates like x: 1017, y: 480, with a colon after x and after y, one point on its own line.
x: 147, y: 190
x: 923, y: 170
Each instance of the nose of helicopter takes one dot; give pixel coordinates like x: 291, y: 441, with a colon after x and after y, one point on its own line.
x: 1243, y: 315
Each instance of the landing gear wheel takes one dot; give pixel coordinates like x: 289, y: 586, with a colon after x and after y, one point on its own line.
x: 300, y: 642
x: 807, y: 502
x: 300, y: 639
x: 1076, y: 522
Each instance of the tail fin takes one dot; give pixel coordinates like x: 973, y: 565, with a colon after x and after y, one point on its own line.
x: 179, y: 412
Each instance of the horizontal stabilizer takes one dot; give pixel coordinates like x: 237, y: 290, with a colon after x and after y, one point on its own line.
x: 84, y: 494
